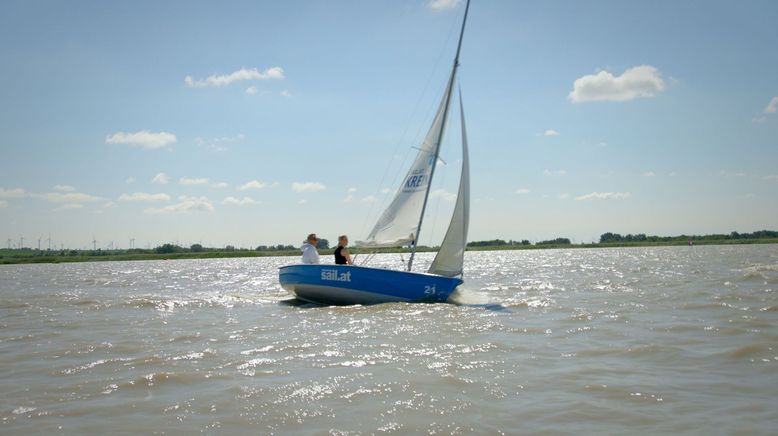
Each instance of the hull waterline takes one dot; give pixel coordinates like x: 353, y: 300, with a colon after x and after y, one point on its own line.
x: 349, y: 284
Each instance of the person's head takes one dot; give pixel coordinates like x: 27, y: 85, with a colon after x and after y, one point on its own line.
x: 312, y: 239
x: 343, y: 240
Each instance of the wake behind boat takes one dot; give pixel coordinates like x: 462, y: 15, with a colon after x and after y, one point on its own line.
x: 399, y: 226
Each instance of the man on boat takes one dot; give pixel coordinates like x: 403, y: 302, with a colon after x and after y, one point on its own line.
x: 310, y: 255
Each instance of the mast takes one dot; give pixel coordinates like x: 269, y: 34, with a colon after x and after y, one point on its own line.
x: 449, y: 90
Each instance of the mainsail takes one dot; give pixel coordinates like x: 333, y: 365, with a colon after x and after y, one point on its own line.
x: 401, y: 221
x: 450, y: 258
x: 399, y: 224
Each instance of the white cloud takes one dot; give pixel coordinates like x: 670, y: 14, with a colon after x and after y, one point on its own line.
x: 554, y: 173
x: 286, y: 94
x: 564, y: 196
x: 522, y: 191
x: 442, y: 5
x: 635, y: 82
x: 188, y: 181
x: 254, y: 184
x: 239, y: 202
x: 130, y: 180
x: 220, y: 185
x: 12, y: 193
x: 307, y: 187
x: 251, y: 90
x: 66, y: 197
x: 368, y: 199
x: 64, y: 188
x: 385, y: 191
x: 3, y: 204
x: 725, y: 173
x: 649, y: 174
x: 550, y: 132
x: 605, y: 196
x: 70, y: 206
x: 160, y: 179
x: 144, y: 139
x: 772, y: 177
x: 302, y: 201
x: 771, y: 107
x: 275, y: 184
x: 185, y: 204
x: 242, y: 74
x: 349, y: 199
x: 443, y: 195
x: 352, y: 189
x: 143, y: 196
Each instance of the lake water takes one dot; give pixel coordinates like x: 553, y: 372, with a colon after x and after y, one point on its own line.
x: 680, y: 340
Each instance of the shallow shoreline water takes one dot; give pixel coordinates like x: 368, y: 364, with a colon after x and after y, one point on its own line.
x: 613, y: 341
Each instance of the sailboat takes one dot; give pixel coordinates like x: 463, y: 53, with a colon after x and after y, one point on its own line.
x: 399, y: 225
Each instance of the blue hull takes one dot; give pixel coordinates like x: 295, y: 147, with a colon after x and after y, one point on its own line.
x: 350, y: 284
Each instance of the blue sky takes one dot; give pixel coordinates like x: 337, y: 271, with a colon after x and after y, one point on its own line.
x: 254, y: 122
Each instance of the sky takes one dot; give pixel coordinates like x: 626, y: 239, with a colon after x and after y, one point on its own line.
x: 251, y: 123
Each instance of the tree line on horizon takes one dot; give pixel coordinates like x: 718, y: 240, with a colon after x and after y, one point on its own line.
x: 323, y: 244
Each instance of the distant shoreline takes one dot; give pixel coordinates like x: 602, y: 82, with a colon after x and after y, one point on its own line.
x: 11, y: 257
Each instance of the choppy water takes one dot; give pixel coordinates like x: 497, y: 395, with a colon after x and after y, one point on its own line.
x: 612, y: 341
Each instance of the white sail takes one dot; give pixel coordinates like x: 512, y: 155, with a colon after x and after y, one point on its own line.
x: 399, y: 224
x: 450, y: 258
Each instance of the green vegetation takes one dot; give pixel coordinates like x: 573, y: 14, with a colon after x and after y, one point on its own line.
x: 197, y: 251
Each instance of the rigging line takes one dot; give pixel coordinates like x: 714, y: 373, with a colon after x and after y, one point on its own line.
x: 398, y: 174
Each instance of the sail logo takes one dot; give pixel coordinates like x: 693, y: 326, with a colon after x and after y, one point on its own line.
x: 415, y: 181
x: 333, y: 275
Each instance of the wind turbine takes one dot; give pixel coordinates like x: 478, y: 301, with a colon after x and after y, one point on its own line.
x: 132, y: 243
x: 21, y: 242
x: 94, y: 243
x: 49, y: 241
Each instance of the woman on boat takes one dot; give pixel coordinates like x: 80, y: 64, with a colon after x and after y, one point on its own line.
x: 342, y: 256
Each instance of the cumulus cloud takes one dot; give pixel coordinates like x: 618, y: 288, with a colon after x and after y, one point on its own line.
x: 143, y: 139
x: 188, y: 181
x: 160, y: 179
x: 649, y: 174
x: 185, y: 204
x: 522, y: 191
x: 442, y: 5
x: 443, y: 195
x: 771, y: 107
x: 239, y: 201
x: 143, y: 196
x: 349, y: 198
x: 550, y: 132
x: 307, y: 187
x: 635, y: 82
x: 12, y: 193
x: 130, y: 180
x: 286, y: 94
x: 66, y: 197
x: 564, y: 196
x: 554, y: 173
x: 254, y: 184
x: 70, y: 206
x: 605, y: 196
x: 369, y: 199
x: 251, y: 90
x: 240, y: 75
x: 220, y: 185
